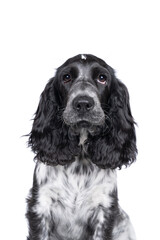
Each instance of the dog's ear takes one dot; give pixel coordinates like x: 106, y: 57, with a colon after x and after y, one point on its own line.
x: 116, y: 146
x: 49, y: 137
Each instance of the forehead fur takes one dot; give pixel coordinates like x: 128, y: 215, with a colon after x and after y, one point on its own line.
x: 85, y: 59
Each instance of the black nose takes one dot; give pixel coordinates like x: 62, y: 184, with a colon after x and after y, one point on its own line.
x: 83, y: 104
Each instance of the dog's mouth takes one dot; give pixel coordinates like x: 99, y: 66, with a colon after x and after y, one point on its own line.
x: 83, y: 124
x: 86, y: 126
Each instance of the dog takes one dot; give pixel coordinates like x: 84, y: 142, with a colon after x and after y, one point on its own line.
x: 83, y: 131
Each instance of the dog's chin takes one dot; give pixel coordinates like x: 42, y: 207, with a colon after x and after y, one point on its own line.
x: 83, y: 124
x: 90, y: 127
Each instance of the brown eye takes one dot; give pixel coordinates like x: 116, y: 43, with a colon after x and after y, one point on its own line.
x: 67, y: 78
x: 102, y: 79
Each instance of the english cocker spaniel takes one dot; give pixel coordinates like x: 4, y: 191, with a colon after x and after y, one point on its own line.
x: 82, y: 132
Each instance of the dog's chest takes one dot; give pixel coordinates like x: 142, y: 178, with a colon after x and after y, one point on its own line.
x: 69, y: 196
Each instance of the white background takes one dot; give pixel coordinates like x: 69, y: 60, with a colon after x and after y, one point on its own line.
x: 38, y: 36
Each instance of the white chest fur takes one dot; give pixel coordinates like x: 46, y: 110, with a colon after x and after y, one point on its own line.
x: 70, y: 198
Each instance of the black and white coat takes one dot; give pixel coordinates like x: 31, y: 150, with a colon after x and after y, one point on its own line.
x: 83, y: 130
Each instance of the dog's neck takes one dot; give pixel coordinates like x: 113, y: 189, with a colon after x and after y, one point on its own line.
x: 83, y: 136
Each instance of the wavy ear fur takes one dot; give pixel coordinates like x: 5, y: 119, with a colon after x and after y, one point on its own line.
x: 116, y: 147
x: 50, y: 139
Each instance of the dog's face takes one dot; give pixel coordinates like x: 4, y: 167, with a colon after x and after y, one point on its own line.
x: 84, y: 89
x: 84, y: 94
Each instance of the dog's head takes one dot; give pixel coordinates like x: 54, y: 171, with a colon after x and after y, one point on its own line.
x: 84, y: 95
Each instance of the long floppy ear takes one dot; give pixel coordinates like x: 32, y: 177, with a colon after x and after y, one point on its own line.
x: 117, y: 146
x: 49, y: 137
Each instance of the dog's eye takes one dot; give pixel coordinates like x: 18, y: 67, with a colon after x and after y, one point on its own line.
x: 102, y: 79
x: 67, y: 78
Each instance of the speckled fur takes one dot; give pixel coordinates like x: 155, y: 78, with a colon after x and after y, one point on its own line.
x: 76, y: 199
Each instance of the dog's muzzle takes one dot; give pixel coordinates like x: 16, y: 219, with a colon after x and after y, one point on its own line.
x: 83, y: 109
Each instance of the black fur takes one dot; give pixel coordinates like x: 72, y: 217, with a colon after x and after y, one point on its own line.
x: 50, y: 139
